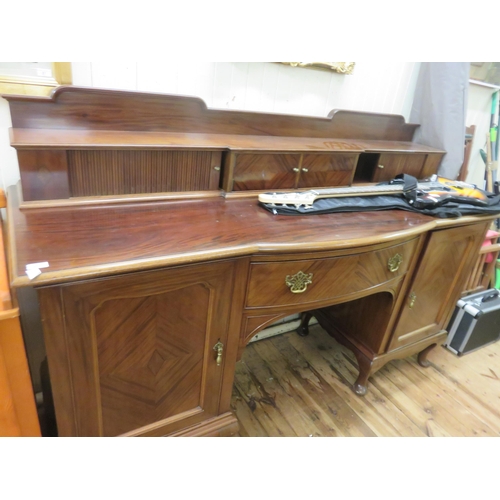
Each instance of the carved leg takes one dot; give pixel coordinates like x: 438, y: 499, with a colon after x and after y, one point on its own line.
x: 422, y: 356
x: 365, y: 365
x: 303, y: 328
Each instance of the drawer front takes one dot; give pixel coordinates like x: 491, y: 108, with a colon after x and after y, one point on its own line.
x: 275, y: 284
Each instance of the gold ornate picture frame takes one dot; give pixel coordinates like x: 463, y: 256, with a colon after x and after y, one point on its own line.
x: 345, y: 68
x: 29, y: 83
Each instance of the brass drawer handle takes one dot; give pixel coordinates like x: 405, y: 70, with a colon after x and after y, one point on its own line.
x: 394, y: 262
x: 413, y: 298
x: 219, y: 347
x: 298, y: 282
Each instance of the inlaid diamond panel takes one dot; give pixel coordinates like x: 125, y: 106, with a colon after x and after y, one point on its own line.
x: 150, y: 356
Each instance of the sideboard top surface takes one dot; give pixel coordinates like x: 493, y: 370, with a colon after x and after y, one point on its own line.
x: 112, y: 139
x: 90, y: 241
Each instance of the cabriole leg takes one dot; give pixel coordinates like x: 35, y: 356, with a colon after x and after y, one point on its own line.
x: 303, y: 328
x: 422, y: 356
x: 365, y: 366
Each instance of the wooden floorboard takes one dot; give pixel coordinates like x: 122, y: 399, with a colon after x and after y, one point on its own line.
x: 301, y: 386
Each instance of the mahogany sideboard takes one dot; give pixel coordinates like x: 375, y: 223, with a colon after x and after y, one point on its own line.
x: 161, y: 265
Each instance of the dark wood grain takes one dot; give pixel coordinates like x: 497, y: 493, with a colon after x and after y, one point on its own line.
x: 392, y: 164
x: 84, y: 242
x: 44, y: 174
x: 437, y: 283
x: 130, y: 140
x: 359, y: 317
x: 330, y: 277
x: 140, y: 287
x: 121, y: 143
x: 139, y: 350
x: 431, y: 164
x: 36, y: 138
x: 327, y: 170
x: 98, y: 109
x: 439, y: 279
x: 94, y: 173
x: 266, y: 171
x: 59, y: 364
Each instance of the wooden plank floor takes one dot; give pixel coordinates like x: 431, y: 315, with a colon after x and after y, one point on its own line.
x: 301, y: 386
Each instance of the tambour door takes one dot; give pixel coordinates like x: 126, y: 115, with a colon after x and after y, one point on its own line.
x: 437, y: 283
x: 135, y: 354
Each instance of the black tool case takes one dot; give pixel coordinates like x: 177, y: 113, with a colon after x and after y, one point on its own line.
x: 475, y: 322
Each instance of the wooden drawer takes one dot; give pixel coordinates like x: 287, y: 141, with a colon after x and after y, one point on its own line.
x: 271, y: 283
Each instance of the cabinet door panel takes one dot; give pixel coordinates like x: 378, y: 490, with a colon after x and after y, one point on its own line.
x: 438, y: 281
x: 150, y: 357
x: 265, y: 171
x: 390, y: 165
x: 140, y: 349
x: 324, y: 170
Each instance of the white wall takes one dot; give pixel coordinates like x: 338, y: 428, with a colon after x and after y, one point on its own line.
x: 9, y: 169
x: 269, y: 87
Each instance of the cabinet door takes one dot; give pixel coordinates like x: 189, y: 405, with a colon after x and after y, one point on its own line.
x: 265, y: 171
x: 437, y: 283
x: 390, y: 165
x: 324, y: 170
x: 135, y: 354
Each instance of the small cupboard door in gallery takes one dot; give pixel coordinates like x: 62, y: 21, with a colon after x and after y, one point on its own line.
x: 392, y: 164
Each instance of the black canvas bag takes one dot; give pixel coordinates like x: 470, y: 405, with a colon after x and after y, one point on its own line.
x: 404, y: 201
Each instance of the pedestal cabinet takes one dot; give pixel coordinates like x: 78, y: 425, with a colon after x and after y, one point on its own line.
x: 139, y: 354
x: 420, y: 310
x: 437, y: 283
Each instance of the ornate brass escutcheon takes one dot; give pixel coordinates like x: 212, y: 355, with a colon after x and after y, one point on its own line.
x: 298, y: 282
x: 219, y: 347
x: 413, y: 298
x: 394, y: 262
